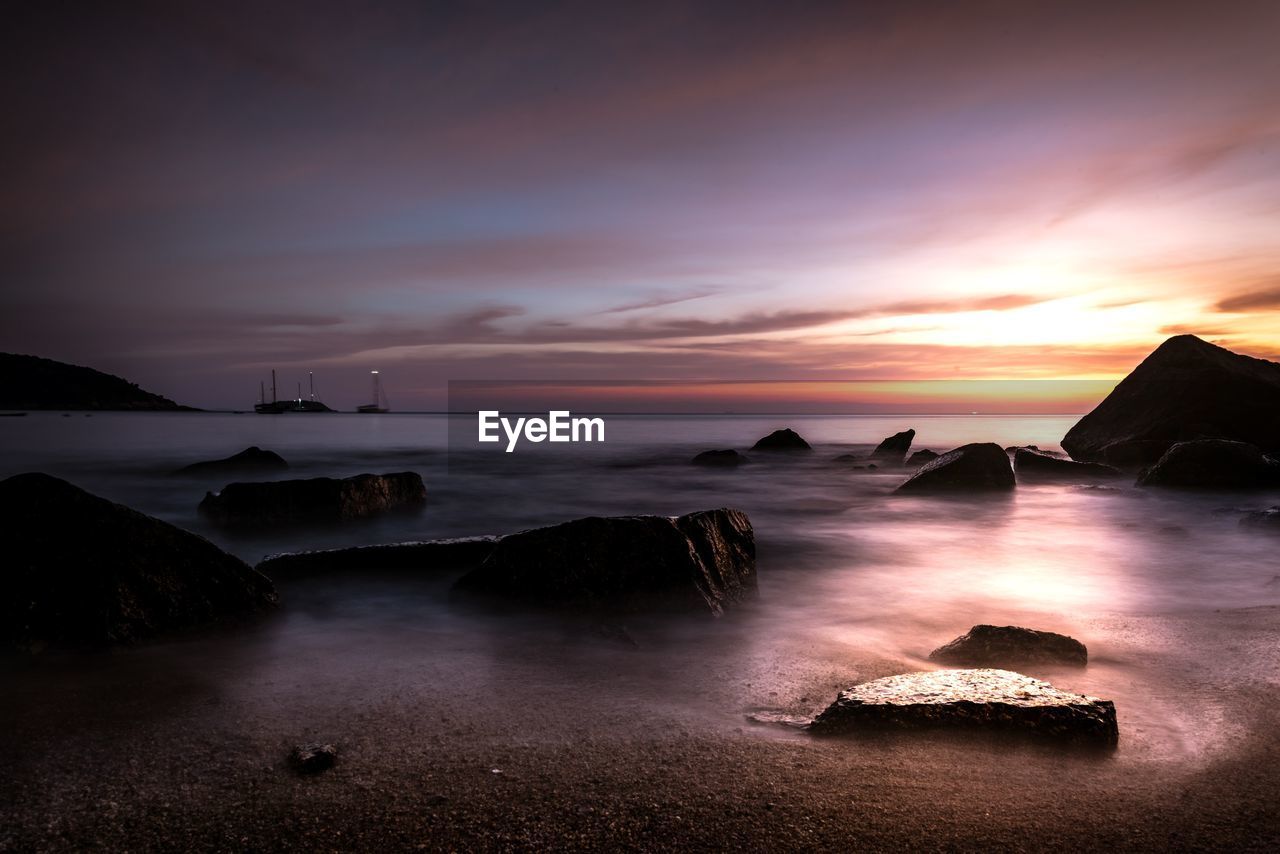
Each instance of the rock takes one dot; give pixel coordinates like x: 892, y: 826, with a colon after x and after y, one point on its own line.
x: 81, y: 571
x: 252, y: 459
x: 1038, y: 465
x: 701, y: 562
x: 785, y: 439
x: 848, y: 458
x: 970, y: 699
x: 1186, y: 389
x: 980, y: 466
x: 1269, y: 518
x: 1135, y: 454
x: 319, y: 499
x: 720, y: 459
x: 313, y: 758
x: 893, y: 450
x: 1002, y: 646
x: 921, y: 457
x: 1213, y: 464
x: 417, y: 557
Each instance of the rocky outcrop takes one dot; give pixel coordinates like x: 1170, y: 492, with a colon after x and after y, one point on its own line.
x: 1005, y: 646
x: 1039, y: 465
x: 720, y: 459
x: 1213, y: 464
x: 785, y: 439
x: 921, y: 457
x: 81, y: 571
x: 982, y: 466
x: 30, y: 382
x: 319, y: 499
x: 997, y: 700
x: 418, y: 558
x: 251, y: 459
x: 698, y: 562
x: 893, y: 450
x: 1186, y: 389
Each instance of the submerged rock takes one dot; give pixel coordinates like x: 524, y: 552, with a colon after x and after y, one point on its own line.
x: 1002, y: 646
x: 785, y: 439
x: 313, y: 758
x: 1038, y: 465
x: 976, y: 467
x: 893, y: 450
x: 701, y: 562
x: 1213, y: 464
x: 1186, y: 389
x: 921, y: 457
x: 1269, y: 518
x: 416, y: 557
x: 82, y: 571
x: 252, y: 459
x: 728, y: 458
x: 319, y: 499
x: 997, y: 700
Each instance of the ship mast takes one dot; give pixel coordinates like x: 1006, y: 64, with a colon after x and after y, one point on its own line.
x: 273, y: 385
x: 377, y: 395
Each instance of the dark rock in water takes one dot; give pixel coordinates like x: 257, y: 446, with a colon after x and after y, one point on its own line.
x: 81, y: 571
x: 785, y: 439
x: 980, y: 466
x: 1186, y: 389
x: 313, y: 758
x: 319, y: 499
x: 1213, y: 464
x: 919, y: 458
x: 1135, y: 454
x: 970, y: 699
x: 251, y: 459
x: 1002, y: 646
x: 893, y: 450
x: 720, y: 459
x: 701, y: 562
x: 1269, y: 518
x: 848, y: 458
x: 1037, y: 465
x: 421, y: 557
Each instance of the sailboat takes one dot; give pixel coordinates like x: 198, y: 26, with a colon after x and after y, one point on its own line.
x: 298, y: 404
x: 380, y: 403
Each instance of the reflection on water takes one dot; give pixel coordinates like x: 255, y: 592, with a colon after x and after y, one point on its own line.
x: 855, y: 583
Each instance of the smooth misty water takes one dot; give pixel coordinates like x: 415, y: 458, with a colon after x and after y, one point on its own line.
x: 854, y: 582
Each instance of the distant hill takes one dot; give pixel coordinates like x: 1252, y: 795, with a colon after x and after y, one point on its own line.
x: 29, y: 382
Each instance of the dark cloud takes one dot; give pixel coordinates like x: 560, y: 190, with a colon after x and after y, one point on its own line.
x: 1265, y: 298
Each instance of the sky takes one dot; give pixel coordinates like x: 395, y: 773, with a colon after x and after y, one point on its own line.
x: 195, y: 193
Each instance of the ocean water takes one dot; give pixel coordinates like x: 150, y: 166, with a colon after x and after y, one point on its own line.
x: 855, y: 582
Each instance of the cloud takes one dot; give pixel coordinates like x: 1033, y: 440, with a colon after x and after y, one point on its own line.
x: 1265, y: 299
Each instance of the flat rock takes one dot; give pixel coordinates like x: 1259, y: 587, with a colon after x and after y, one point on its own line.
x: 921, y: 457
x: 982, y: 466
x: 1213, y: 464
x: 251, y: 459
x: 1003, y: 646
x: 699, y: 562
x: 319, y: 499
x: 983, y: 699
x: 893, y: 450
x: 426, y: 556
x: 1186, y: 389
x: 785, y: 439
x: 81, y: 571
x: 1039, y: 465
x: 727, y: 458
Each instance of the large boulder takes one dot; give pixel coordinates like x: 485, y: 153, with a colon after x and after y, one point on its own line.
x: 1213, y: 464
x: 720, y: 459
x: 982, y: 466
x: 970, y: 699
x: 785, y: 439
x: 700, y: 562
x: 1040, y: 465
x: 893, y: 450
x: 1186, y: 389
x: 318, y: 499
x: 417, y: 557
x: 1004, y: 646
x: 81, y: 571
x: 251, y: 459
x: 921, y: 457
